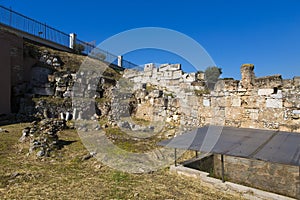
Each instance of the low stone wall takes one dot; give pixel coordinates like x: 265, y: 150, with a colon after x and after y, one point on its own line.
x: 228, y: 187
x: 277, y: 178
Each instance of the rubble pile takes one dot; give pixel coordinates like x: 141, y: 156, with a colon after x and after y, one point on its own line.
x: 42, y: 136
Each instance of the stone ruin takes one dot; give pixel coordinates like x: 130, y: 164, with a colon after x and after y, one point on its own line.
x: 166, y: 93
x: 166, y: 75
x: 42, y: 136
x: 163, y: 93
x: 253, y: 102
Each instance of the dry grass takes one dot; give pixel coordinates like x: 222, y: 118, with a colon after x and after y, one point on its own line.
x: 65, y: 176
x: 71, y: 62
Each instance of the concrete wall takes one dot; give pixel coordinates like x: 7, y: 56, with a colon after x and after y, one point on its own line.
x: 11, y: 57
x: 5, y: 75
x: 15, y: 71
x: 277, y: 178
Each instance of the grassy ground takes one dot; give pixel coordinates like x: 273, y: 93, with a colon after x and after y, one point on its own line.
x: 65, y: 176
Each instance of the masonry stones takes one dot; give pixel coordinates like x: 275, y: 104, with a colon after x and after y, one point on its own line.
x: 263, y: 102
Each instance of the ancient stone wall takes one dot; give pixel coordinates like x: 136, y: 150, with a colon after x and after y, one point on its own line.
x: 278, y: 178
x: 265, y: 102
x: 269, y: 103
x: 177, y: 99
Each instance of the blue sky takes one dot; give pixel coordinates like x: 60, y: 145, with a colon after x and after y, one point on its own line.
x: 265, y: 33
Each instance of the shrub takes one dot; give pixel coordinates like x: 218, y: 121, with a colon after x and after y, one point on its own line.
x: 78, y: 48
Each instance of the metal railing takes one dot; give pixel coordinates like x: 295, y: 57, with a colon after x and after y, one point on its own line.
x: 92, y: 51
x: 23, y: 23
x: 130, y: 65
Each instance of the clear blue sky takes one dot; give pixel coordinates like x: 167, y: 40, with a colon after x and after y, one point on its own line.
x: 265, y: 33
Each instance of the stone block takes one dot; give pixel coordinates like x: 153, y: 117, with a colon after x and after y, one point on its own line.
x: 200, y: 76
x: 168, y: 75
x: 149, y: 67
x: 274, y: 103
x: 278, y: 95
x: 268, y: 81
x: 253, y: 113
x: 174, y: 67
x: 296, y: 111
x: 163, y: 67
x: 177, y: 74
x: 234, y: 113
x: 236, y: 101
x: 206, y: 102
x: 265, y: 92
x: 189, y: 77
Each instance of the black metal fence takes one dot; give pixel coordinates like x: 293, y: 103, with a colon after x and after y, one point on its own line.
x: 100, y: 54
x: 23, y: 23
x: 93, y: 51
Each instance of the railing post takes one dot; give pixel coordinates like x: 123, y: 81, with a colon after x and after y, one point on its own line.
x: 120, y: 60
x: 45, y: 29
x: 175, y: 157
x: 222, y: 163
x: 72, y: 40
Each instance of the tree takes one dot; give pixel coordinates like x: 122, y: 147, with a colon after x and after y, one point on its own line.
x: 212, y: 75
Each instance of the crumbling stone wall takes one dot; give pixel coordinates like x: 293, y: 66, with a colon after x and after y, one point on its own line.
x: 266, y: 102
x: 168, y: 93
x: 270, y: 103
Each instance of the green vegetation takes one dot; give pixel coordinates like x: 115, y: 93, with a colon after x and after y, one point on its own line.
x: 102, y: 100
x: 52, y: 100
x: 140, y: 121
x: 126, y: 142
x: 118, y: 176
x: 78, y: 48
x: 201, y: 92
x: 150, y: 88
x: 169, y: 95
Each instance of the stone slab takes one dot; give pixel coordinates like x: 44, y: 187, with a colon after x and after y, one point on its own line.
x: 296, y: 111
x: 236, y: 101
x: 206, y: 102
x: 265, y: 92
x: 274, y: 103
